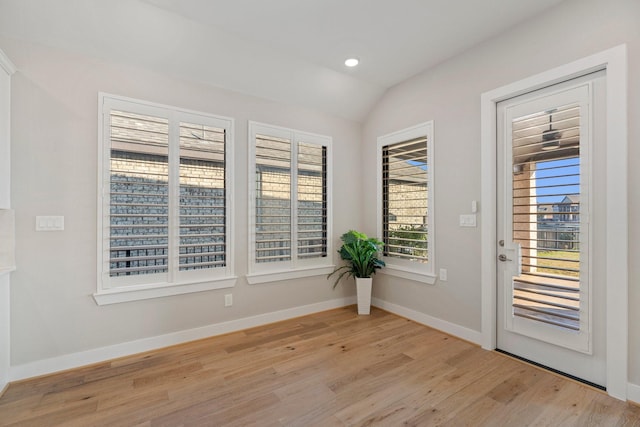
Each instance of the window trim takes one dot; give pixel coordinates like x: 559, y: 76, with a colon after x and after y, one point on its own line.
x: 404, y: 268
x: 295, y: 268
x: 108, y: 292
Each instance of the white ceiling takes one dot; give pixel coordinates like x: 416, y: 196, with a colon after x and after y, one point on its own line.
x: 290, y: 51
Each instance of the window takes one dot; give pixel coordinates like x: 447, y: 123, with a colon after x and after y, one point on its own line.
x: 549, y: 153
x: 289, y: 208
x: 164, y: 207
x: 405, y: 202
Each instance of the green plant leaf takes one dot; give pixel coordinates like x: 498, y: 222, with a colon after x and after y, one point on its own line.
x: 360, y: 254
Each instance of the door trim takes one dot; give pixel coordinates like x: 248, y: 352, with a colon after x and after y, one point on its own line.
x: 614, y: 61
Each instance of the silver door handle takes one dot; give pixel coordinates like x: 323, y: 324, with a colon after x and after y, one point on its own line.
x: 503, y: 257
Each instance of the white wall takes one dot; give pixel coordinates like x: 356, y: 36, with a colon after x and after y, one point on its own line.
x: 54, y: 152
x: 6, y: 69
x: 449, y: 94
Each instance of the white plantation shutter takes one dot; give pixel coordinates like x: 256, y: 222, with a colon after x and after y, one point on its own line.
x: 290, y: 209
x: 405, y: 193
x: 202, y: 197
x: 547, y: 217
x: 312, y: 200
x: 405, y: 210
x: 164, y: 209
x: 139, y: 194
x: 273, y: 199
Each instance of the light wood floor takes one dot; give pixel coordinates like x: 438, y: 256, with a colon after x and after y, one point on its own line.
x: 328, y: 369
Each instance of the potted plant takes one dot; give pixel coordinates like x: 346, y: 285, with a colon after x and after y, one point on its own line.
x: 361, y: 255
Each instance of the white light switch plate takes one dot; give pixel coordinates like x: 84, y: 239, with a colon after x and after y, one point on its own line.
x: 49, y: 223
x: 468, y: 220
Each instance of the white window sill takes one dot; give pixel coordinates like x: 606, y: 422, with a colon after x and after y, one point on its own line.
x: 275, y: 276
x: 136, y: 293
x: 405, y: 273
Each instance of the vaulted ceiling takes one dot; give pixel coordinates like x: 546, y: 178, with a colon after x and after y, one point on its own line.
x: 290, y: 51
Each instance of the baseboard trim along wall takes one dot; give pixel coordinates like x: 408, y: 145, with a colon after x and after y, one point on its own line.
x: 633, y: 393
x: 433, y: 322
x: 75, y: 360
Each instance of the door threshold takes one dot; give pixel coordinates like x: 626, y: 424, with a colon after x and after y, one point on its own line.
x: 555, y: 371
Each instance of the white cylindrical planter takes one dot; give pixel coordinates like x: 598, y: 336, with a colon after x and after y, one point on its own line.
x: 363, y: 286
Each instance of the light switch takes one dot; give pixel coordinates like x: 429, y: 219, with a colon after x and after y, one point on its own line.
x: 468, y: 220
x: 49, y: 223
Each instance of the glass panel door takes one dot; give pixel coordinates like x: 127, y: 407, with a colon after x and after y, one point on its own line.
x: 545, y: 288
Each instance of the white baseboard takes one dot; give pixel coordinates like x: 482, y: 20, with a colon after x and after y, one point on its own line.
x: 633, y: 393
x: 3, y: 388
x: 75, y: 360
x: 433, y: 322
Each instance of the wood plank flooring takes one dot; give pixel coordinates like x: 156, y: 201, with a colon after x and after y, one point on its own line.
x: 333, y: 368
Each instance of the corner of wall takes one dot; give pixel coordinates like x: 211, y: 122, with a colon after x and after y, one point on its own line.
x: 633, y: 393
x: 458, y: 331
x: 6, y: 231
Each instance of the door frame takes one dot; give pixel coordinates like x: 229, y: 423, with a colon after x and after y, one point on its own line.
x: 614, y: 61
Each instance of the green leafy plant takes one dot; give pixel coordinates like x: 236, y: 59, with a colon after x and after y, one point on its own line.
x: 361, y: 255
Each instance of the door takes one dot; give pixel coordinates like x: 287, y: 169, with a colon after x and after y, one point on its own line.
x: 550, y: 271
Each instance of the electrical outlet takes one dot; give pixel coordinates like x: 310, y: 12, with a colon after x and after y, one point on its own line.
x: 228, y: 300
x: 443, y: 274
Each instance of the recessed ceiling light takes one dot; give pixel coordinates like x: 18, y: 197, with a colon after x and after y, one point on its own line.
x: 351, y: 62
